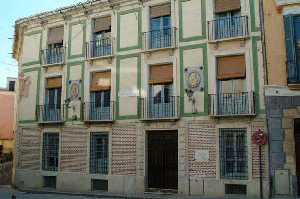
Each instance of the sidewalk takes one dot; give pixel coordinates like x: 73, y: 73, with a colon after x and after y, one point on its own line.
x: 6, y: 192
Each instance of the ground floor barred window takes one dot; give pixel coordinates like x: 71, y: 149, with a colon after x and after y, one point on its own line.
x: 233, y: 153
x: 50, y: 151
x: 99, y: 153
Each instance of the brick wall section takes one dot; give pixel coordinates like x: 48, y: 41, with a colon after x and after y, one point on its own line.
x: 202, y: 136
x: 255, y: 151
x: 28, y: 149
x: 124, y: 150
x: 74, y: 151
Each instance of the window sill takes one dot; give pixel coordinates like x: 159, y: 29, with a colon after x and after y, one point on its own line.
x: 229, y: 39
x: 294, y: 86
x: 53, y: 65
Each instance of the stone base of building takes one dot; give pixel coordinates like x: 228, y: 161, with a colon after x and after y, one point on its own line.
x: 127, y: 174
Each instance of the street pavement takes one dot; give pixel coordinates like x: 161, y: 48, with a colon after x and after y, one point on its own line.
x: 6, y: 193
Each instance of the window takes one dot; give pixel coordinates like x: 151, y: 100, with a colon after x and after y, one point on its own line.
x: 160, y: 26
x: 101, y: 44
x: 52, y: 109
x: 11, y: 85
x: 233, y: 153
x: 50, y: 151
x: 161, y: 99
x: 100, y: 94
x: 55, y: 52
x: 99, y: 153
x: 50, y: 182
x: 99, y: 185
x: 292, y: 36
x: 229, y: 22
x: 233, y: 98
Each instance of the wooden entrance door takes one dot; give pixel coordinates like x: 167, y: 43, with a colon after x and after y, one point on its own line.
x: 163, y: 160
x: 297, y: 150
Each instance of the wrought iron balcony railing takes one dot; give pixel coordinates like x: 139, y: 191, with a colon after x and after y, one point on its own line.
x: 96, y: 112
x: 159, y: 39
x: 51, y: 113
x: 52, y: 56
x: 228, y: 27
x: 154, y: 109
x: 232, y: 104
x: 99, y: 48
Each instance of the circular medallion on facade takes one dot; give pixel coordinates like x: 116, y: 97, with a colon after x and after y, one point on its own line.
x: 194, y: 79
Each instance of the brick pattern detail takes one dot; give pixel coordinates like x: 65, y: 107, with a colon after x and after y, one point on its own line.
x: 74, y: 151
x: 124, y: 150
x: 255, y: 152
x: 28, y: 149
x: 202, y: 136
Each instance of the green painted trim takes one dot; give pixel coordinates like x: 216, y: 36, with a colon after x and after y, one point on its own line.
x: 182, y: 49
x: 40, y: 48
x: 38, y: 69
x: 128, y: 117
x: 27, y: 121
x: 26, y: 70
x: 256, y: 73
x: 139, y: 39
x: 69, y: 65
x: 254, y: 28
x: 203, y: 19
x: 83, y: 23
x: 119, y: 58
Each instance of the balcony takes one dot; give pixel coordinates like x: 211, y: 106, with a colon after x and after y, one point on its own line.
x: 53, y: 56
x: 99, y: 48
x: 94, y: 112
x: 51, y: 113
x: 232, y: 104
x: 159, y: 39
x: 227, y: 28
x: 154, y: 109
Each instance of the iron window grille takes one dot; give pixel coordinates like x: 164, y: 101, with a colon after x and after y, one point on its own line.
x: 99, y: 153
x: 233, y: 153
x: 50, y: 151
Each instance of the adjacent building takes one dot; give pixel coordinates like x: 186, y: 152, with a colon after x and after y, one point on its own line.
x: 7, y: 117
x: 282, y: 36
x: 130, y: 96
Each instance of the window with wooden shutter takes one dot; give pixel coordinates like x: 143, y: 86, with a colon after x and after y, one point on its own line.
x: 55, y: 82
x: 160, y: 10
x: 56, y: 35
x: 102, y: 24
x: 101, y: 81
x: 291, y: 50
x: 231, y: 67
x: 161, y: 74
x: 227, y: 5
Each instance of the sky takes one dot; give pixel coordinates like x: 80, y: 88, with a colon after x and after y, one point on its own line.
x: 10, y: 11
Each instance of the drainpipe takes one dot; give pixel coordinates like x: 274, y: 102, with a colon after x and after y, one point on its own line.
x: 266, y: 80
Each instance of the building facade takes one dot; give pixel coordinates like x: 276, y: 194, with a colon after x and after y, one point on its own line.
x: 130, y: 96
x: 281, y: 19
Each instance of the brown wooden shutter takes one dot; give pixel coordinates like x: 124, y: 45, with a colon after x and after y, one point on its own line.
x: 160, y: 10
x: 231, y: 67
x: 227, y: 5
x: 101, y: 24
x: 56, y: 35
x: 54, y: 82
x: 101, y: 81
x: 161, y: 74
